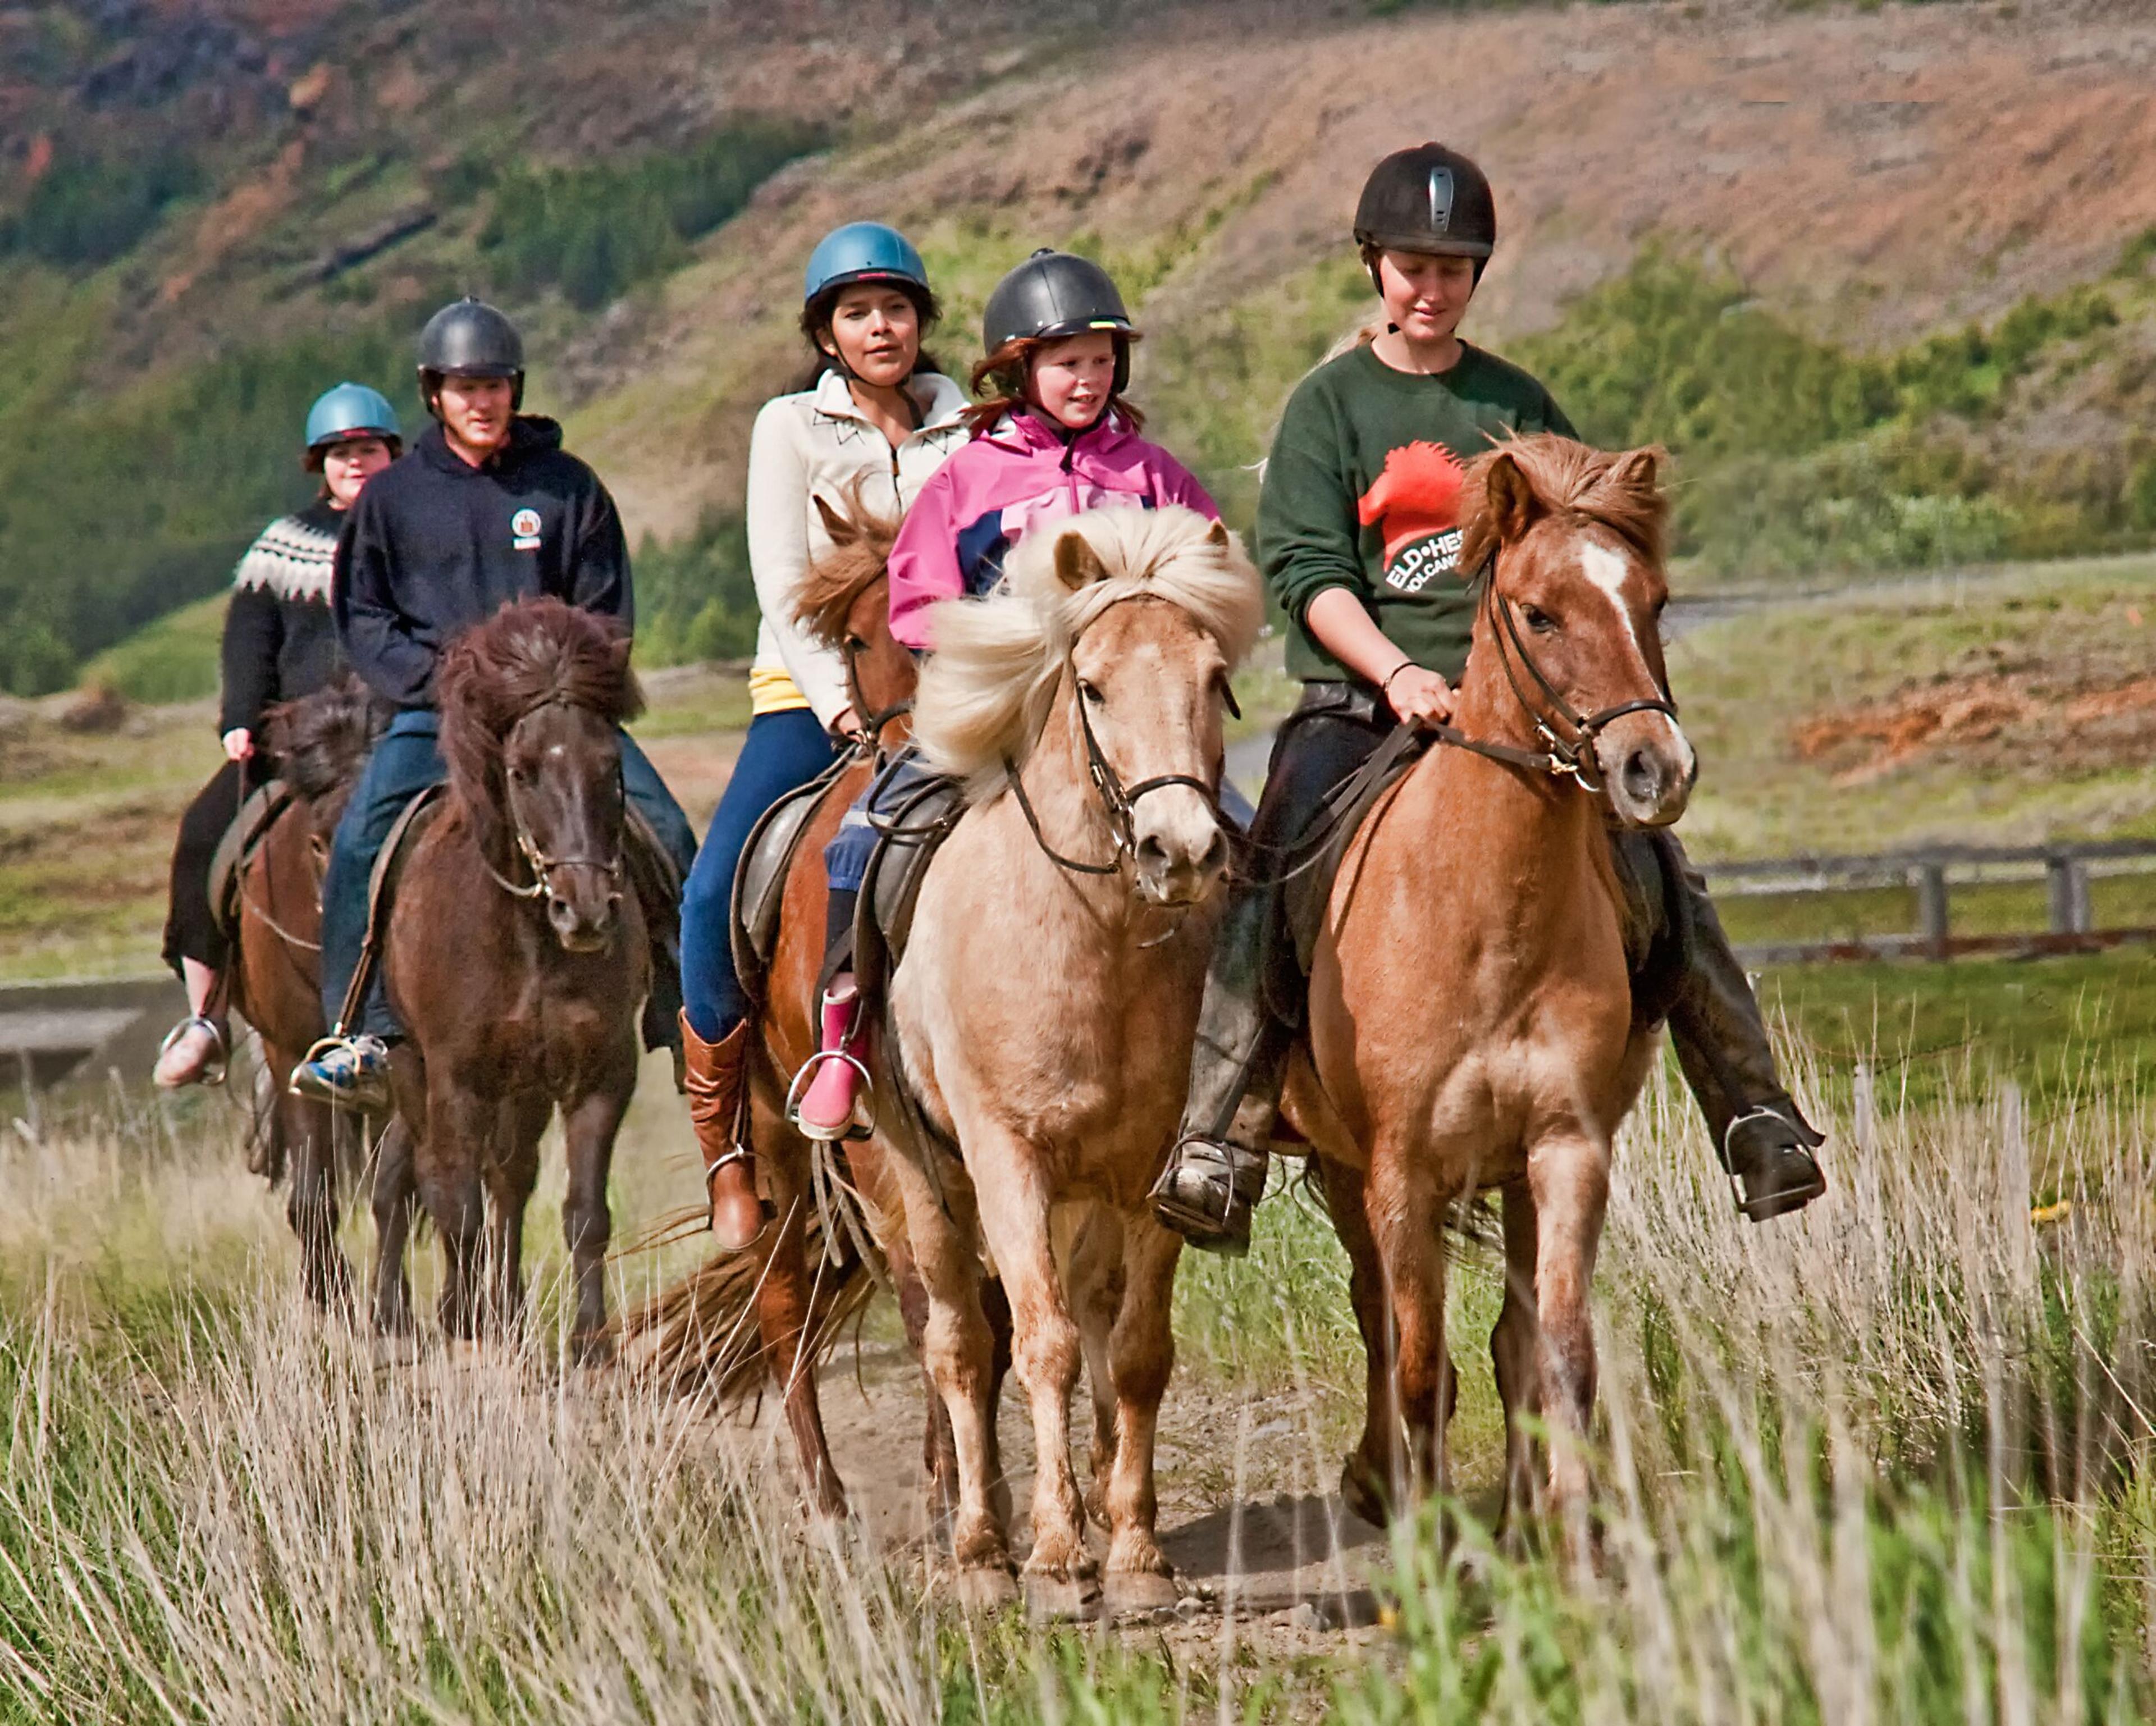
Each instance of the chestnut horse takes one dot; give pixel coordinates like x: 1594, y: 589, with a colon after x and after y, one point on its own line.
x: 517, y: 959
x: 320, y: 742
x: 1045, y: 1005
x: 701, y: 1330
x: 1470, y: 1020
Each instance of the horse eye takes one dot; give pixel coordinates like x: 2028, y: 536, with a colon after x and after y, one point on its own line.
x: 1540, y: 621
x: 855, y: 644
x: 1089, y: 692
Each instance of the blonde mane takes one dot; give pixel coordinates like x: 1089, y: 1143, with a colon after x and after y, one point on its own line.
x: 987, y: 691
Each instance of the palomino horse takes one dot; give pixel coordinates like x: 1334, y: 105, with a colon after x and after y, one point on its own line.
x: 321, y: 742
x: 799, y: 1310
x: 1044, y: 1007
x: 1471, y: 1022
x: 516, y: 958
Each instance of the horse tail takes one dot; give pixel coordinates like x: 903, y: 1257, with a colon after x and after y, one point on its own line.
x: 700, y: 1337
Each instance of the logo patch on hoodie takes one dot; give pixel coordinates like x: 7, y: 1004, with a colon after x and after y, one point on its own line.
x: 524, y: 526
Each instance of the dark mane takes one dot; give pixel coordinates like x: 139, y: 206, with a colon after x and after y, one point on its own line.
x: 1619, y: 490
x: 523, y: 657
x: 861, y: 536
x: 321, y: 741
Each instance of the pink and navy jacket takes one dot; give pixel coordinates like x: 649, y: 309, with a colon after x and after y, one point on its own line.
x: 1011, y: 481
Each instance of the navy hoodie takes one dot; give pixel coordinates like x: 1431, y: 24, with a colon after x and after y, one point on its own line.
x: 434, y: 545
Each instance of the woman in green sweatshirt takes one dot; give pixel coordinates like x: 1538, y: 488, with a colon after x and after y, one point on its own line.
x: 1358, y: 535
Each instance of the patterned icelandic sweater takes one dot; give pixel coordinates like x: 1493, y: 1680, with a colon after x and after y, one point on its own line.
x: 279, y: 643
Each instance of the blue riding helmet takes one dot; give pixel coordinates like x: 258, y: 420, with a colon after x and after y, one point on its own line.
x: 351, y: 410
x: 862, y: 252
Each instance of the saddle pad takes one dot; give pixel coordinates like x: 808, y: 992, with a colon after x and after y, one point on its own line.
x: 759, y: 889
x: 389, y: 863
x: 1305, y: 896
x: 249, y: 825
x: 912, y: 830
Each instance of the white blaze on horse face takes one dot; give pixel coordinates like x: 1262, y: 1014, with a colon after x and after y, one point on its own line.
x: 1609, y: 570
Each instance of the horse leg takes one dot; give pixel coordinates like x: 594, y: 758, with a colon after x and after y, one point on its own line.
x: 959, y: 1347
x: 309, y: 1132
x: 393, y: 1198
x: 785, y: 1299
x: 1568, y: 1180
x: 1142, y: 1349
x: 939, y: 1457
x: 1367, y: 1474
x: 588, y: 1127
x: 1094, y: 1274
x: 1514, y: 1353
x: 460, y: 1127
x: 1404, y: 1212
x: 510, y: 1174
x: 1015, y: 1206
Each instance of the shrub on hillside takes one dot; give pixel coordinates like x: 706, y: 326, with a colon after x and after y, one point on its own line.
x: 87, y: 210
x: 695, y: 597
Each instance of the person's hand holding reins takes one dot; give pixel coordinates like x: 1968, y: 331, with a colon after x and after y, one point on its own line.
x: 1418, y: 695
x: 238, y: 743
x: 847, y: 724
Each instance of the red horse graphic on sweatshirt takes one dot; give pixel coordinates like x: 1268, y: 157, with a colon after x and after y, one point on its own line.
x: 1414, y: 505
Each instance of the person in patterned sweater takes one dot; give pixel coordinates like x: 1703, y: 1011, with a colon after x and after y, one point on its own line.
x: 280, y: 644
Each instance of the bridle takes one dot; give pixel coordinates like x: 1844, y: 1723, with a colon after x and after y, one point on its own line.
x: 1118, y: 801
x: 872, y: 724
x: 535, y: 860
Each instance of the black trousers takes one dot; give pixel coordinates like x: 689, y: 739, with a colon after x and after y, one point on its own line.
x: 190, y: 933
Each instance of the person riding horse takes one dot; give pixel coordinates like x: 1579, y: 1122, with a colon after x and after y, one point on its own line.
x: 1359, y: 537
x: 873, y: 413
x: 487, y: 508
x: 280, y: 644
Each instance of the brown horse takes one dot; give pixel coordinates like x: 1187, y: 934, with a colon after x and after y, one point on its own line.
x: 517, y: 959
x: 321, y: 742
x: 1046, y: 1006
x: 700, y: 1328
x: 1470, y: 1023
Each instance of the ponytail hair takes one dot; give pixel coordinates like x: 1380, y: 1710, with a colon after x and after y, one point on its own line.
x: 1009, y: 370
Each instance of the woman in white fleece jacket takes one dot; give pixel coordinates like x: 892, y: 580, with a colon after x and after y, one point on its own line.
x: 875, y: 408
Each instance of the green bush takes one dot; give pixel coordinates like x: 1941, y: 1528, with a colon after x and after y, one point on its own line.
x: 695, y: 597
x: 89, y: 209
x: 593, y: 233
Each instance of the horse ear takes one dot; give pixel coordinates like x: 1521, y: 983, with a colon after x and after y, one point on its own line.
x: 1077, y: 565
x: 1217, y: 534
x: 1513, y: 505
x: 1637, y: 469
x: 843, y: 531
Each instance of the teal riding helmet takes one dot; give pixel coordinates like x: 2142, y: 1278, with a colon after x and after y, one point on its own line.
x: 349, y: 411
x: 862, y: 252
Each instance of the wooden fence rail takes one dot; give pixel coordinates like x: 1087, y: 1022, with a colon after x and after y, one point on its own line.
x: 1933, y: 874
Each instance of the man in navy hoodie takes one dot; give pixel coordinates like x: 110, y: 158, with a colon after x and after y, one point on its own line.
x: 486, y: 508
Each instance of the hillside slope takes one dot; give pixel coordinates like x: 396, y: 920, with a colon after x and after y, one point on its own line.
x: 266, y: 195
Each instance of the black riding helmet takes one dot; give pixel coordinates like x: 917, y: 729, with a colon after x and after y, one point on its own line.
x: 1053, y: 294
x: 469, y: 338
x: 1429, y: 199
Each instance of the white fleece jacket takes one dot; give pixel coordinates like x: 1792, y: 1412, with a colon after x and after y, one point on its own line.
x: 806, y: 446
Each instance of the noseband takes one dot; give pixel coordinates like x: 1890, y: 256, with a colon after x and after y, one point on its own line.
x: 542, y: 866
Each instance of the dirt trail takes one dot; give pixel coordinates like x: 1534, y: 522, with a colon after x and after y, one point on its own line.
x: 1243, y: 1518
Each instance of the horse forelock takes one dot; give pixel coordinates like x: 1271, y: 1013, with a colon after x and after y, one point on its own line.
x: 986, y: 693
x: 833, y: 583
x: 1615, y: 489
x: 528, y: 656
x: 322, y: 740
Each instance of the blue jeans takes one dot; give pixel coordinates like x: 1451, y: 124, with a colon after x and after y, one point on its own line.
x: 405, y: 763
x: 782, y: 752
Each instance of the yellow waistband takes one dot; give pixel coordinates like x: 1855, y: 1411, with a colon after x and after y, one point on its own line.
x: 771, y: 690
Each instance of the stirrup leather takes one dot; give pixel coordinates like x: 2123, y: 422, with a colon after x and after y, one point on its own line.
x: 213, y: 1069
x: 807, y: 1076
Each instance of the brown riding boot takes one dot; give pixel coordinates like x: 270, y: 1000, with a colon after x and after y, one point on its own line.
x: 716, y: 1071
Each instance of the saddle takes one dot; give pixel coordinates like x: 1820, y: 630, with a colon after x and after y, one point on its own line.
x: 759, y: 889
x: 250, y: 826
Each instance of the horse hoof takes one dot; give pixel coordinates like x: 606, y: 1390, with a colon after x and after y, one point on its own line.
x: 1362, y: 1494
x: 1139, y: 1593
x: 985, y: 1588
x: 1049, y: 1599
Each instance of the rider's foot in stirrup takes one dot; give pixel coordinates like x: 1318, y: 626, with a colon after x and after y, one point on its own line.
x: 192, y: 1053
x: 1209, y: 1191
x: 352, y: 1071
x: 834, y: 1070
x: 1770, y: 1162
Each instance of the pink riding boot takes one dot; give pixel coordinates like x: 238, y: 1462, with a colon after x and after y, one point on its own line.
x: 826, y: 1110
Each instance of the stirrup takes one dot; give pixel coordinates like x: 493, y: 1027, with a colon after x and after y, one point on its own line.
x: 1229, y: 1178
x: 213, y: 1069
x: 802, y: 1080
x: 1777, y: 1200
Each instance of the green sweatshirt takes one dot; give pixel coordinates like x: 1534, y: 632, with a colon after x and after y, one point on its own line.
x: 1363, y: 492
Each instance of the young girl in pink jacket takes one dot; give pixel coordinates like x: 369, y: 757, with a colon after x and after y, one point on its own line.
x: 1055, y: 439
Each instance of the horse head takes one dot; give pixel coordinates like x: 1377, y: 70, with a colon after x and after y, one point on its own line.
x: 321, y: 742
x: 1568, y: 639
x: 530, y: 700
x: 845, y: 602
x: 1115, y: 642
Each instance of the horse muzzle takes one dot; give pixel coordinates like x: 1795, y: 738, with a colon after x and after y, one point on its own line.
x: 1178, y: 847
x: 583, y: 905
x: 1648, y: 769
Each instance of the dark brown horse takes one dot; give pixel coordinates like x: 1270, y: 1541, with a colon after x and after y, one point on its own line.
x: 321, y: 742
x: 516, y: 958
x: 702, y: 1324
